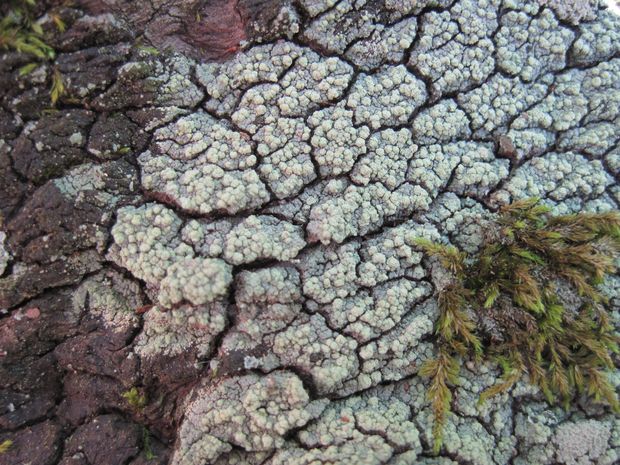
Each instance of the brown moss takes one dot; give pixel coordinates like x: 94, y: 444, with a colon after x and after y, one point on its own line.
x: 528, y: 301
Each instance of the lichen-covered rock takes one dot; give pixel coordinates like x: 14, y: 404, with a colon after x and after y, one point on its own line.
x: 366, y: 316
x: 386, y: 160
x: 559, y: 177
x: 443, y: 122
x: 393, y: 254
x: 182, y: 329
x: 203, y: 174
x: 271, y: 331
x: 328, y: 273
x: 202, y: 188
x: 529, y: 48
x: 146, y: 241
x: 262, y: 238
x: 455, y: 50
x: 4, y: 254
x: 365, y: 430
x: 152, y: 82
x: 573, y: 11
x: 396, y: 353
x: 387, y: 98
x: 595, y: 139
x: 336, y: 142
x: 498, y: 101
x: 359, y: 210
x: 357, y: 31
x: 251, y: 412
x: 599, y: 40
x: 286, y: 163
x: 109, y: 296
x: 236, y: 236
x: 311, y: 81
x: 225, y: 83
x: 581, y: 442
x: 195, y: 280
x: 579, y: 96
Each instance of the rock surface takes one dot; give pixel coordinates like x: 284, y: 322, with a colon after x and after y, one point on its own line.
x: 223, y: 224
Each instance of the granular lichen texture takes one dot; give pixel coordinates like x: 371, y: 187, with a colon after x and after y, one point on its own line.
x: 227, y: 221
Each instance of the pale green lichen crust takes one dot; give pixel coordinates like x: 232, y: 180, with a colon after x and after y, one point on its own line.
x: 4, y: 254
x: 285, y: 191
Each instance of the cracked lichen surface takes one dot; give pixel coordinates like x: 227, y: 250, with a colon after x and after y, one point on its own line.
x: 356, y: 310
x: 273, y: 219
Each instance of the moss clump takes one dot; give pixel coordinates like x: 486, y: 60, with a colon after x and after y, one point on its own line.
x: 135, y: 399
x: 528, y: 301
x: 147, y: 447
x: 5, y: 446
x: 21, y: 33
x: 18, y: 30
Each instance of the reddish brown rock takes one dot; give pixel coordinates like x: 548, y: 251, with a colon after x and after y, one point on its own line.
x: 106, y: 440
x: 35, y: 445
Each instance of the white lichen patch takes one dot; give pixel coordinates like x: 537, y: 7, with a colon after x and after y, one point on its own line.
x: 386, y: 161
x: 363, y: 430
x: 195, y: 280
x: 530, y: 47
x: 579, y: 96
x: 262, y: 237
x: 366, y: 316
x: 251, y: 412
x: 478, y: 172
x: 328, y: 273
x: 225, y: 82
x: 582, y: 442
x: 385, y: 45
x: 4, y: 254
x: 309, y: 83
x: 393, y: 254
x: 499, y: 100
x: 360, y: 210
x: 455, y: 50
x: 443, y: 122
x: 199, y: 186
x: 559, y: 176
x: 387, y: 98
x: 595, y: 139
x: 397, y: 353
x: 295, y: 196
x: 181, y: 330
x: 286, y: 164
x: 336, y: 142
x: 308, y: 339
x: 200, y: 134
x: 599, y: 40
x: 573, y: 11
x: 147, y: 242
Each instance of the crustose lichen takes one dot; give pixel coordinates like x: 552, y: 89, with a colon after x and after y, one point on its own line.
x: 528, y: 301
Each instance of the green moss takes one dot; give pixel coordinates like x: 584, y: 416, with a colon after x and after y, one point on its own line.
x: 147, y: 448
x: 5, y: 446
x: 528, y: 301
x: 21, y: 33
x: 18, y: 30
x: 134, y: 398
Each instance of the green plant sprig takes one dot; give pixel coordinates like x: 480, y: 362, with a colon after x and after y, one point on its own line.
x: 513, y: 282
x: 135, y: 399
x: 19, y: 32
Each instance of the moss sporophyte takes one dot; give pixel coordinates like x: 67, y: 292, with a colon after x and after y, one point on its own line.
x: 528, y: 300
